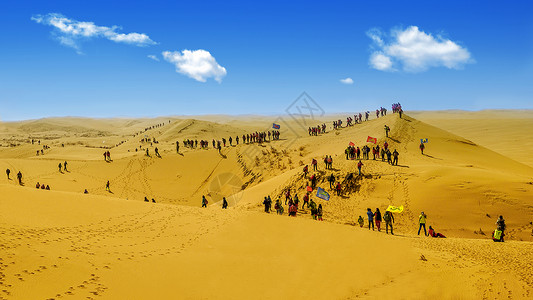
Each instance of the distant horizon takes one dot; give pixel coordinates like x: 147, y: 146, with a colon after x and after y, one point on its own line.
x: 192, y: 116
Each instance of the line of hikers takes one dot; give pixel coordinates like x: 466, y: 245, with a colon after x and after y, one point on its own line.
x: 317, y: 129
x: 353, y: 152
x: 255, y: 137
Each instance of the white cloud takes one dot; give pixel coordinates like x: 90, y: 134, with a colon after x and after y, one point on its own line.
x: 69, y: 32
x: 415, y: 51
x: 381, y: 62
x: 197, y: 64
x: 347, y: 80
x: 153, y: 57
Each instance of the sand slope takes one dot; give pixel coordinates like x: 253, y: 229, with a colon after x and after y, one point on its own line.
x: 63, y: 243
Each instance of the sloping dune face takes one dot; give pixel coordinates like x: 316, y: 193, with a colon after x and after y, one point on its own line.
x: 504, y: 131
x: 111, y: 244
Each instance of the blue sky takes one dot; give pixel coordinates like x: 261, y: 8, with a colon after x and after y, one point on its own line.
x: 247, y: 57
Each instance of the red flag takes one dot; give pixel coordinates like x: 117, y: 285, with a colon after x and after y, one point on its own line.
x: 352, y: 144
x: 371, y: 140
x: 309, y: 189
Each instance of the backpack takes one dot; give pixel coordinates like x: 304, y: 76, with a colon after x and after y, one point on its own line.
x: 386, y: 217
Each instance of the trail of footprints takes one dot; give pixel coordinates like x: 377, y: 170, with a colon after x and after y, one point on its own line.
x: 101, y: 244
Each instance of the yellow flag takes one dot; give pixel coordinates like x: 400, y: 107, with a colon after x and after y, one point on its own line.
x: 395, y: 209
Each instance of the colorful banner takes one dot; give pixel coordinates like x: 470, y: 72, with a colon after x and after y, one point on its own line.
x: 423, y: 141
x: 395, y: 209
x: 371, y: 140
x: 275, y: 126
x: 322, y: 194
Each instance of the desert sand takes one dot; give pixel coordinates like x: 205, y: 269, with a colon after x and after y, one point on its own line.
x: 64, y: 244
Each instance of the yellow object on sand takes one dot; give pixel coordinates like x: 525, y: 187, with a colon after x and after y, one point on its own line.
x: 395, y: 209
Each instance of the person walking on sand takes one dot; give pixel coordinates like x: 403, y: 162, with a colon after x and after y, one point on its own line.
x: 319, y: 212
x: 422, y: 147
x: 267, y: 205
x: 278, y: 207
x: 19, y: 177
x: 359, y: 165
x: 361, y: 221
x: 8, y: 171
x: 377, y: 217
x: 331, y: 180
x: 65, y: 166
x: 107, y: 186
x: 500, y: 226
x: 395, y: 155
x: 389, y: 219
x: 204, y: 201
x: 370, y: 215
x: 224, y: 203
x: 422, y: 221
x: 60, y: 166
x: 338, y: 188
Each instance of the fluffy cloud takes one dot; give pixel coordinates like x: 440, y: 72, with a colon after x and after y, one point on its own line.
x: 69, y: 32
x: 415, y: 51
x: 197, y: 64
x: 347, y: 80
x: 153, y: 57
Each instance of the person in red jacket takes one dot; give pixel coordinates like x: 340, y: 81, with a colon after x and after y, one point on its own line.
x: 434, y: 234
x: 338, y: 188
x: 359, y: 166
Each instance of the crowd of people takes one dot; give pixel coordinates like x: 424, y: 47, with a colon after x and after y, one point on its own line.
x: 42, y: 186
x: 317, y: 129
x: 254, y: 137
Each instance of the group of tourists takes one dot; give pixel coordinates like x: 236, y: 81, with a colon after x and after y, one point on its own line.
x: 19, y: 176
x: 396, y: 107
x: 376, y: 218
x: 381, y: 111
x: 293, y: 204
x: 107, y: 156
x: 41, y: 151
x: 317, y: 129
x: 42, y: 186
x: 63, y: 167
x: 255, y: 137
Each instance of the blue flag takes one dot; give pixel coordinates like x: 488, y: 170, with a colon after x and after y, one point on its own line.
x: 275, y: 126
x: 422, y: 141
x: 322, y: 194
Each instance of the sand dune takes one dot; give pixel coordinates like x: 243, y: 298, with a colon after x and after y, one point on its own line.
x: 63, y: 243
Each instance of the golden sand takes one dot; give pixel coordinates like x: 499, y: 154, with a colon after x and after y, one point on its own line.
x: 63, y: 244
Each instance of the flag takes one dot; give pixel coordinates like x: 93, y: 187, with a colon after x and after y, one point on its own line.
x: 309, y: 189
x: 322, y: 194
x: 275, y: 126
x: 371, y: 140
x: 395, y: 209
x: 423, y: 141
x: 352, y: 144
